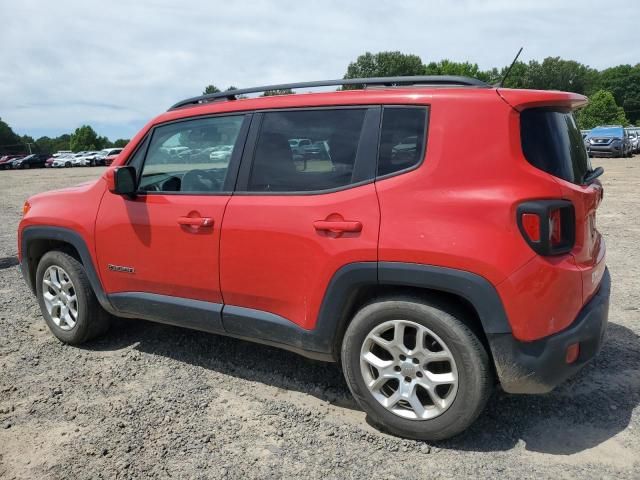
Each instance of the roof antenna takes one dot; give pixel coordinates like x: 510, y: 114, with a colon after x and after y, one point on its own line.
x: 506, y: 74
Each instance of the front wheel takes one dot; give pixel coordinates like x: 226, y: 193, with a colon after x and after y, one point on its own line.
x: 418, y: 371
x: 66, y: 299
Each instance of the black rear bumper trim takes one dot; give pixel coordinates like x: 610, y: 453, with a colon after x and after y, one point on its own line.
x: 539, y: 366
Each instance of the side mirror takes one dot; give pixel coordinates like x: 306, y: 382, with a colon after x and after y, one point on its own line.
x: 124, y: 181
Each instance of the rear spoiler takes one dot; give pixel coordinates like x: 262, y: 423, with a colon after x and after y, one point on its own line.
x: 523, y: 99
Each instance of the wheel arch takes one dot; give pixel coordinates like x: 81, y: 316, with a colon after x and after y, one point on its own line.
x: 458, y: 291
x: 38, y: 240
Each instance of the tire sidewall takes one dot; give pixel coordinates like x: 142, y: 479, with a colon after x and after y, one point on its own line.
x: 79, y: 331
x: 470, y: 397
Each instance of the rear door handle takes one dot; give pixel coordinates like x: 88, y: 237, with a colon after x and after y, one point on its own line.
x: 196, y: 222
x: 337, y: 226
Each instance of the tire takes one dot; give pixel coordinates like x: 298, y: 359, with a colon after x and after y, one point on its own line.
x: 447, y: 335
x: 91, y: 320
x: 67, y: 164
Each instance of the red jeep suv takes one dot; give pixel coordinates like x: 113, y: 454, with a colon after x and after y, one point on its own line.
x: 440, y: 238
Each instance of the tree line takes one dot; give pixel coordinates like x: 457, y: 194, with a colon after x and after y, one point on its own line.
x: 83, y: 138
x: 614, y: 92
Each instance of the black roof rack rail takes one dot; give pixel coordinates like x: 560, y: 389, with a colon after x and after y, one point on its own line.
x: 431, y: 80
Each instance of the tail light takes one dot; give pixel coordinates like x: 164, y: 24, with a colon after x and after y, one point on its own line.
x: 548, y: 226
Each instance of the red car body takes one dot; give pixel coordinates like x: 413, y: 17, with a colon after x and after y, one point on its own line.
x: 455, y: 213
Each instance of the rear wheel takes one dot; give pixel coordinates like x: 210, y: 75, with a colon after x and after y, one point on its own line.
x: 418, y: 371
x: 66, y: 299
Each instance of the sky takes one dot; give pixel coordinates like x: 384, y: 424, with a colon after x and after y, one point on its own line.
x: 115, y: 64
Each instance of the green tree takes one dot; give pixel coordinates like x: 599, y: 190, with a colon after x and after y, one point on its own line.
x: 623, y: 82
x: 9, y: 141
x: 272, y: 93
x: 601, y: 110
x: 85, y: 138
x: 210, y: 89
x: 464, y: 69
x: 554, y: 73
x: 119, y: 143
x: 384, y: 64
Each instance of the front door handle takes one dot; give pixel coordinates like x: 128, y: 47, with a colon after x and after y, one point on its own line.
x: 337, y: 226
x: 196, y: 222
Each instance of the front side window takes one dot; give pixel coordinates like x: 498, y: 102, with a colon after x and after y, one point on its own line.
x: 308, y: 150
x: 402, y: 139
x: 190, y: 156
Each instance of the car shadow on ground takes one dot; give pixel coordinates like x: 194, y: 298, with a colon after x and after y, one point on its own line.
x: 584, y: 412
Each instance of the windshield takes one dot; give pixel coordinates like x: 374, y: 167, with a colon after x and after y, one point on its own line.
x: 552, y: 142
x: 607, y: 132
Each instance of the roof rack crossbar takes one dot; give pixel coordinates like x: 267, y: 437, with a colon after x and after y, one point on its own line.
x: 385, y: 81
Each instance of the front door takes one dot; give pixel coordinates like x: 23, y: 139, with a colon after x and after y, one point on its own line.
x: 165, y: 241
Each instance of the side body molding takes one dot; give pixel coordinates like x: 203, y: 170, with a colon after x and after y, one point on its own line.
x: 322, y: 342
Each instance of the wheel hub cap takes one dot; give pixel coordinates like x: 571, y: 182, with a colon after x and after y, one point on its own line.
x: 409, y: 370
x: 60, y: 298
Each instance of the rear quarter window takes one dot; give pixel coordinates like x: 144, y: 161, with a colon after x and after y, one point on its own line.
x: 402, y: 139
x: 552, y: 142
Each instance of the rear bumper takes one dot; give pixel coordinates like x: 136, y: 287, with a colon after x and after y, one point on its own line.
x: 539, y: 366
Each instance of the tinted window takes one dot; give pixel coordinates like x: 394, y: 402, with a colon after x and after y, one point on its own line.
x: 552, y: 142
x: 190, y: 156
x: 306, y: 150
x: 402, y: 139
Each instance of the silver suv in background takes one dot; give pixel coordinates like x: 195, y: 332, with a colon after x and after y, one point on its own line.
x: 609, y: 141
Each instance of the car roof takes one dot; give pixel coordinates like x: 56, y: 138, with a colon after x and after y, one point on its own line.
x: 414, y: 95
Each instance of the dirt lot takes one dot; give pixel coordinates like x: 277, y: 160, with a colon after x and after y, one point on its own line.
x: 155, y: 401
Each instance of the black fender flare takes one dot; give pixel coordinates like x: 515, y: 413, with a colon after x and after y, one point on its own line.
x: 475, y: 289
x: 71, y: 237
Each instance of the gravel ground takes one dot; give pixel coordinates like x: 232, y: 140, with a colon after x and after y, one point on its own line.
x: 153, y: 401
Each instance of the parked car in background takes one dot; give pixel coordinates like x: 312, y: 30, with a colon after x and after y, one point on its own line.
x: 60, y: 153
x: 5, y: 161
x: 35, y: 160
x: 108, y: 160
x: 63, y: 161
x: 222, y: 152
x: 78, y: 160
x: 58, y: 158
x: 104, y: 153
x: 634, y: 139
x: 609, y: 141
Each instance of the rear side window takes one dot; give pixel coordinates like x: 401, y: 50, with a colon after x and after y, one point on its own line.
x: 402, y: 138
x: 308, y: 150
x: 552, y: 142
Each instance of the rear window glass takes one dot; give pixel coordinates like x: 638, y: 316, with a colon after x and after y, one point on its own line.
x: 402, y: 139
x: 552, y: 142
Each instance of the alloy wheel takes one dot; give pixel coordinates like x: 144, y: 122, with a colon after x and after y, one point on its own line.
x: 60, y: 298
x: 409, y: 370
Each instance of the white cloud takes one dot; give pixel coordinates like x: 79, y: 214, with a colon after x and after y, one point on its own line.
x: 116, y: 64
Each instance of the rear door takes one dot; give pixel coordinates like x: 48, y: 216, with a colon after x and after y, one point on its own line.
x: 296, y: 220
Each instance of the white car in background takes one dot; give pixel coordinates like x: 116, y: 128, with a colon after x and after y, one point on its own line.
x: 104, y: 153
x: 65, y: 160
x: 85, y: 159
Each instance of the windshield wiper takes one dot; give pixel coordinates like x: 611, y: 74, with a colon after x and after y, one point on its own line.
x: 591, y: 175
